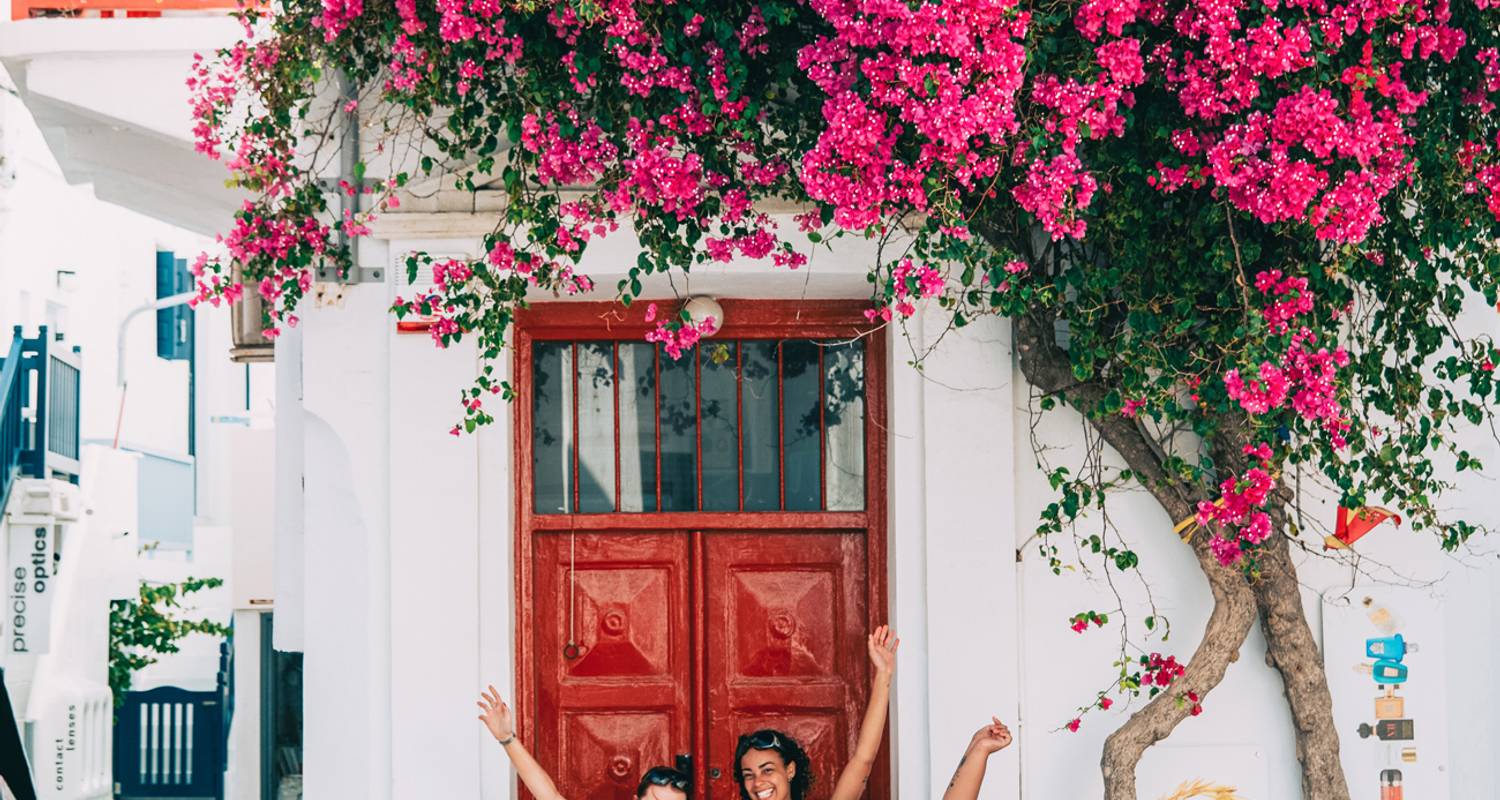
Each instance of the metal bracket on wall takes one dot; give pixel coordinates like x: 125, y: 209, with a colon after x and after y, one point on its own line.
x: 356, y: 275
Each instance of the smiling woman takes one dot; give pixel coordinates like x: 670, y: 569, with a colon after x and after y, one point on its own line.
x: 771, y: 765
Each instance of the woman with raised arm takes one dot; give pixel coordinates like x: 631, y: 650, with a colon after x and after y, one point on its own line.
x: 773, y: 766
x: 967, y: 779
x: 659, y: 783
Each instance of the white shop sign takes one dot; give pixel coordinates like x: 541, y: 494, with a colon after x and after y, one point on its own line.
x: 29, y: 588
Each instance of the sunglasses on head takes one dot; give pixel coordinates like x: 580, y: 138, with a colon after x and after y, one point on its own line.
x: 662, y: 776
x: 765, y: 740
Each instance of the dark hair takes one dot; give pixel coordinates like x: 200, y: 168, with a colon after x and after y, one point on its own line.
x: 783, y: 745
x: 663, y: 776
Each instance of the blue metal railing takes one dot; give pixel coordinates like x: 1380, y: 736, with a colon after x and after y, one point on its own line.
x: 12, y: 429
x: 39, y: 408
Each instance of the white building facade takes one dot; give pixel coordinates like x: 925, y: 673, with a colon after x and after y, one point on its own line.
x: 412, y: 567
x: 430, y: 601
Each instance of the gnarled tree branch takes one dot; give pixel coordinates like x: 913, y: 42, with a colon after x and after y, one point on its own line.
x: 1046, y: 366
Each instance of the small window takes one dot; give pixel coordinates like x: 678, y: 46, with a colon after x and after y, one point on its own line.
x: 733, y: 425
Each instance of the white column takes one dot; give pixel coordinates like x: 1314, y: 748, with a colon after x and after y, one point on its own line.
x: 289, y: 572
x: 242, y: 778
x: 436, y: 570
x: 906, y: 443
x: 497, y: 592
x: 347, y: 680
x: 968, y: 475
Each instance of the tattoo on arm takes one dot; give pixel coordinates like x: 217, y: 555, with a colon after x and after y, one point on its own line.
x: 960, y: 769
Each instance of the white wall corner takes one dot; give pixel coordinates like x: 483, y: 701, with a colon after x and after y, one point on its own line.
x: 969, y: 482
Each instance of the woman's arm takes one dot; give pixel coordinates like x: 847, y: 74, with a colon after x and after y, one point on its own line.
x: 989, y: 740
x: 882, y: 648
x: 497, y: 717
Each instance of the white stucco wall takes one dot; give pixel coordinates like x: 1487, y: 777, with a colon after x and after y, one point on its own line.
x: 408, y: 595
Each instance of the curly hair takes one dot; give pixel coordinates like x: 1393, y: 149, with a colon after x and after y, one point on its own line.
x: 783, y: 745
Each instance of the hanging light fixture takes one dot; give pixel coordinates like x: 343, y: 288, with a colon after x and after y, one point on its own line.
x: 701, y: 308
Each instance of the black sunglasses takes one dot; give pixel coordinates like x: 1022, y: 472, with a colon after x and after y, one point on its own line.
x: 663, y: 776
x: 764, y: 740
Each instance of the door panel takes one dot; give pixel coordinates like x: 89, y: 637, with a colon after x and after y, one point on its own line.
x: 786, y: 624
x: 621, y: 703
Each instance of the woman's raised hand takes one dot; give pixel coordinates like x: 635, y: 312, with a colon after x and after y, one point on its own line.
x: 991, y: 738
x: 987, y: 741
x: 496, y: 715
x: 882, y: 645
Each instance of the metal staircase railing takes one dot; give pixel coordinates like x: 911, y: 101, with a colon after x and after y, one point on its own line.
x: 12, y: 428
x: 39, y: 412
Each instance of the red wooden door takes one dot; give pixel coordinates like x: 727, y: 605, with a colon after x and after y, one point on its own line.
x: 786, y: 629
x: 708, y: 532
x: 612, y: 639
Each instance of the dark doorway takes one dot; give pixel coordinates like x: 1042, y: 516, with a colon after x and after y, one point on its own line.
x: 280, y: 719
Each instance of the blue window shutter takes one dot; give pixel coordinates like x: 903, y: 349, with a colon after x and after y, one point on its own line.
x: 173, y: 325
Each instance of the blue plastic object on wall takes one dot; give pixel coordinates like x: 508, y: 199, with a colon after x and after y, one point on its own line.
x: 1389, y: 648
x: 1389, y: 672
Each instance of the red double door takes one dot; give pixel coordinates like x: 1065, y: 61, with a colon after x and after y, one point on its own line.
x: 699, y: 540
x: 651, y: 646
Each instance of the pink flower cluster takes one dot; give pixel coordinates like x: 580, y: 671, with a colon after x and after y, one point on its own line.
x: 1159, y: 671
x: 408, y: 66
x: 1305, y: 380
x: 910, y: 281
x: 337, y: 14
x: 213, y: 87
x: 1058, y: 187
x: 1303, y: 375
x: 1485, y: 167
x: 556, y: 275
x: 901, y: 69
x: 1289, y: 299
x: 680, y: 338
x: 440, y: 315
x: 562, y: 160
x: 1322, y: 156
x: 758, y: 243
x: 1080, y: 622
x: 1239, y: 510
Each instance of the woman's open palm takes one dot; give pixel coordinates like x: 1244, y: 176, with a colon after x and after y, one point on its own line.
x: 496, y: 715
x: 882, y: 645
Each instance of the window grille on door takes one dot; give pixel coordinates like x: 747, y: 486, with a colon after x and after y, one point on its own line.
x: 732, y: 425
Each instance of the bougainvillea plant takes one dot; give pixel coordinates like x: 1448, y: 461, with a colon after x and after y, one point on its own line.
x: 1236, y: 235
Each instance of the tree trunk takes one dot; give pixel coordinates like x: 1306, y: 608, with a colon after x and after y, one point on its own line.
x: 1228, y: 625
x: 1276, y: 595
x: 1046, y: 367
x: 1292, y: 650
